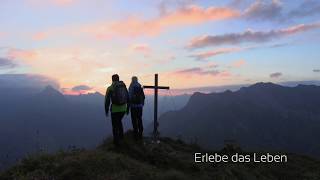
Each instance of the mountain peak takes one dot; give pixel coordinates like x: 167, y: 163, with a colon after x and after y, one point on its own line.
x: 264, y: 85
x: 261, y: 86
x: 50, y: 92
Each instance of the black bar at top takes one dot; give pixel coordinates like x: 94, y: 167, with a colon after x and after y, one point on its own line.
x: 159, y: 87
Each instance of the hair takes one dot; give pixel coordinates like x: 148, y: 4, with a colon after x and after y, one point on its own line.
x: 134, y: 79
x: 115, y: 77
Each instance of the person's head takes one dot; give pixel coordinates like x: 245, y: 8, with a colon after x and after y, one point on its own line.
x: 134, y: 79
x: 115, y: 78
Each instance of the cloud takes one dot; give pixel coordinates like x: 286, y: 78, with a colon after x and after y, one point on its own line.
x: 21, y: 54
x: 165, y: 5
x: 81, y: 88
x: 208, y: 54
x: 7, y: 63
x: 40, y: 36
x: 239, y: 63
x: 26, y: 81
x: 263, y: 10
x: 63, y: 2
x: 276, y: 75
x: 274, y: 11
x: 316, y: 70
x: 134, y: 26
x: 249, y: 36
x: 199, y: 71
x: 207, y: 70
x: 306, y: 8
x: 51, y: 2
x: 77, y: 90
x: 143, y: 48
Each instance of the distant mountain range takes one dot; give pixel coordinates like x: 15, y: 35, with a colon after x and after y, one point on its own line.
x: 33, y: 120
x: 263, y: 116
x: 47, y: 121
x: 260, y: 116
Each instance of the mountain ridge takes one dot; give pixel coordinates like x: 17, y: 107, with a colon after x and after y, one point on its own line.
x: 261, y: 116
x: 171, y: 159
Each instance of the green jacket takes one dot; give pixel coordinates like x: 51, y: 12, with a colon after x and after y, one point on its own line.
x: 114, y: 108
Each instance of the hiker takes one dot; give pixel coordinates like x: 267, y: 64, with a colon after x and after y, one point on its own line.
x: 118, y: 94
x: 136, y: 99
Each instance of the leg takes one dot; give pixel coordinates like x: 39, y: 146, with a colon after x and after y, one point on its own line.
x: 140, y: 123
x: 115, y: 128
x: 121, y: 114
x: 134, y: 121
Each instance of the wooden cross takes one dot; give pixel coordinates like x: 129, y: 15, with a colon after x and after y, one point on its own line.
x: 156, y: 87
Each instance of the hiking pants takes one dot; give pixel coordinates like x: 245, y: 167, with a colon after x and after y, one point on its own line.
x: 136, y: 118
x: 117, y: 128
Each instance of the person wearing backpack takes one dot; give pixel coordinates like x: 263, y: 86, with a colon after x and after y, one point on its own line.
x: 117, y: 93
x: 136, y: 99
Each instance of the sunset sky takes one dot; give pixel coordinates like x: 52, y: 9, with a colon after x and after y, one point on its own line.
x: 190, y: 43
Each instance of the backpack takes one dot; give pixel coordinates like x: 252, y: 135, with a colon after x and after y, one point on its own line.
x: 119, y: 94
x: 137, y: 95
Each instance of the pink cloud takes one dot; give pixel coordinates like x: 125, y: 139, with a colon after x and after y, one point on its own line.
x: 134, y: 26
x: 21, y: 54
x: 52, y: 2
x: 200, y: 71
x: 40, y: 36
x: 63, y: 2
x: 239, y: 63
x: 208, y: 54
x: 143, y: 48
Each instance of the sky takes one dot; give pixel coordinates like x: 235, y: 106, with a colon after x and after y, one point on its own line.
x: 189, y: 43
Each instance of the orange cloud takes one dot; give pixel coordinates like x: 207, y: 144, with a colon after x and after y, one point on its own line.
x: 40, y: 36
x: 134, y: 26
x: 239, y: 63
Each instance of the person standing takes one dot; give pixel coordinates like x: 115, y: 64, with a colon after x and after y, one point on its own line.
x: 136, y: 99
x: 117, y: 93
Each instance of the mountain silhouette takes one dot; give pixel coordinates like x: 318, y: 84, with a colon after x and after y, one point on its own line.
x: 264, y: 116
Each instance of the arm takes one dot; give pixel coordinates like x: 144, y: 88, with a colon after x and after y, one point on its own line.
x: 143, y: 95
x: 107, y: 101
x: 128, y: 100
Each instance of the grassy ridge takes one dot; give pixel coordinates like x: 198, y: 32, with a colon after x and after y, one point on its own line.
x: 171, y: 159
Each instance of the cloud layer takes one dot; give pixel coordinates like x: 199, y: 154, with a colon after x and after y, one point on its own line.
x: 249, y: 36
x: 26, y: 81
x: 135, y: 26
x: 6, y: 63
x: 80, y: 88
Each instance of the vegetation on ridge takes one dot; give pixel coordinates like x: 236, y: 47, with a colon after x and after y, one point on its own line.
x: 171, y: 159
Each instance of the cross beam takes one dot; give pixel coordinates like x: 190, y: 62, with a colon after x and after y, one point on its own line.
x: 156, y: 87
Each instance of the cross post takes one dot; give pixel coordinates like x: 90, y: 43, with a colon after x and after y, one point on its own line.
x: 156, y: 87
